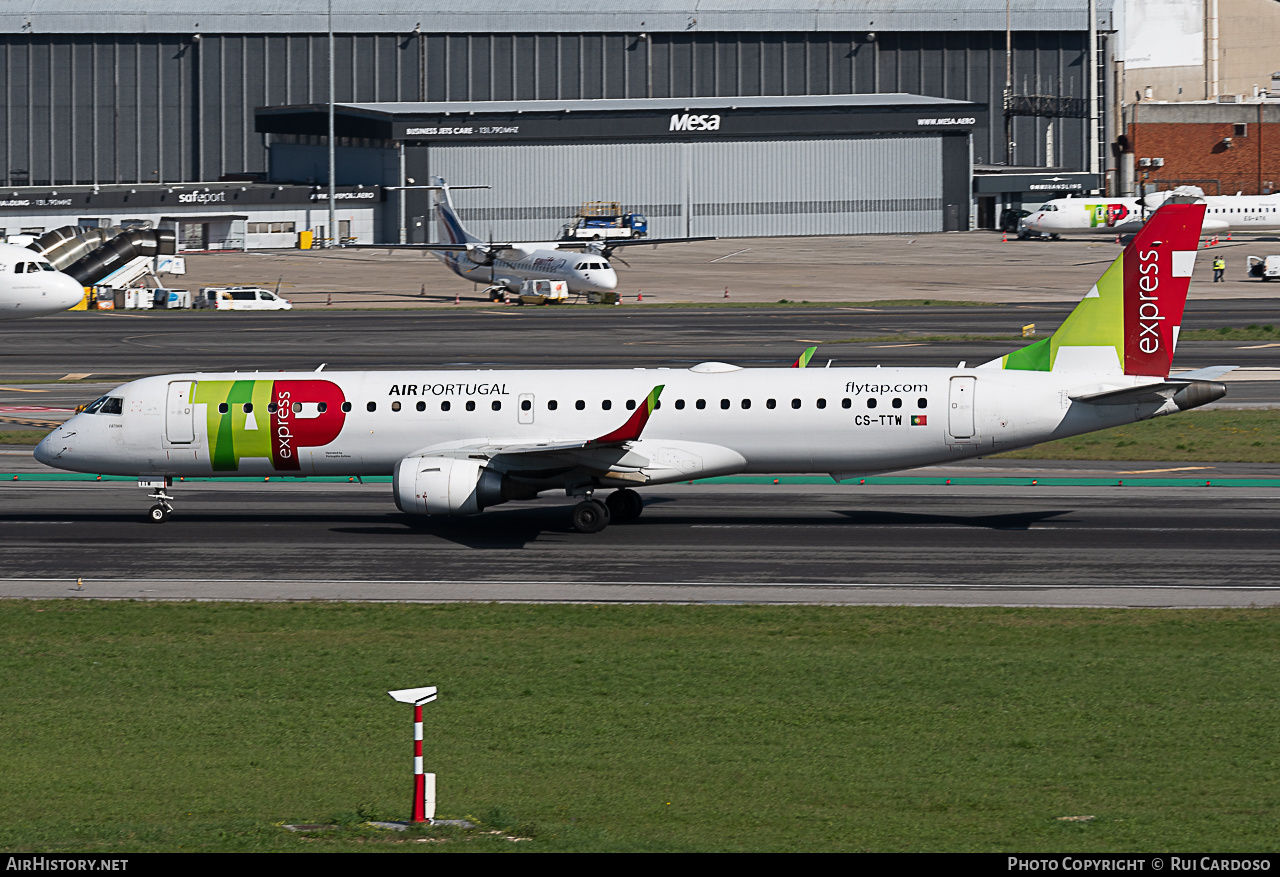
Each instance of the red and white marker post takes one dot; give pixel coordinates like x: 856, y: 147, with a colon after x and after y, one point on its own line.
x: 424, y: 784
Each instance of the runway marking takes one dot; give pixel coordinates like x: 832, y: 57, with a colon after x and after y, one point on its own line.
x: 738, y: 253
x: 1176, y: 469
x: 22, y: 390
x: 1258, y: 346
x: 76, y: 376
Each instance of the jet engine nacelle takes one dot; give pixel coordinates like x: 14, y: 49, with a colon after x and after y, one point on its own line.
x: 448, y: 486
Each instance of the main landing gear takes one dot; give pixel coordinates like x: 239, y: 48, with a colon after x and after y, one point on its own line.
x: 622, y: 507
x: 158, y: 513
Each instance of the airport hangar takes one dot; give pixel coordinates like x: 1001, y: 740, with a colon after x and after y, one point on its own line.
x: 103, y: 92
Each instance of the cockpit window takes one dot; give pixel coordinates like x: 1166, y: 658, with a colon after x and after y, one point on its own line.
x: 1049, y: 208
x: 45, y: 266
x: 581, y: 266
x: 106, y: 405
x: 605, y: 265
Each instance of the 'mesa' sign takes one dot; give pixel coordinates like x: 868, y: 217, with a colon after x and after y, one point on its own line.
x: 694, y: 122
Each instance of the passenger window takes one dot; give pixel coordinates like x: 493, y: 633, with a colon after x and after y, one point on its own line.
x: 771, y: 404
x: 580, y: 405
x: 700, y: 404
x: 222, y: 408
x: 346, y: 406
x: 421, y: 406
x: 922, y: 402
x: 553, y: 405
x: 526, y: 405
x: 471, y: 404
x: 846, y: 402
x: 297, y: 407
x: 496, y: 406
x: 372, y: 406
x: 248, y: 408
x: 606, y: 404
x: 445, y: 406
x: 822, y: 403
x: 322, y: 407
x: 746, y: 403
x: 272, y: 407
x: 871, y: 403
x: 897, y: 403
x: 395, y: 406
x: 631, y: 404
x: 724, y: 403
x: 679, y: 404
x: 795, y: 403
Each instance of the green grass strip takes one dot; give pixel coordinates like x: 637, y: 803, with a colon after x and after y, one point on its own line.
x: 134, y: 727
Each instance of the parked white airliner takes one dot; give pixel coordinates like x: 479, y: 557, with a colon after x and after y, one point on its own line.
x: 457, y: 442
x: 31, y: 287
x: 1223, y: 213
x: 505, y: 266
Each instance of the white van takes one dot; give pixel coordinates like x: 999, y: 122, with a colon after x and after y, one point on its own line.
x: 247, y: 298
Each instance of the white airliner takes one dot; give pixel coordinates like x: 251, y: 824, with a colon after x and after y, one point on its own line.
x: 458, y: 442
x: 505, y: 266
x: 1223, y: 213
x: 31, y: 287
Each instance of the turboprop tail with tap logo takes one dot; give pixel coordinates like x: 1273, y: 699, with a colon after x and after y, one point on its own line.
x: 1128, y: 323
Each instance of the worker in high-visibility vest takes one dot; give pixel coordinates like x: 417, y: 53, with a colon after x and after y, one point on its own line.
x: 1219, y: 268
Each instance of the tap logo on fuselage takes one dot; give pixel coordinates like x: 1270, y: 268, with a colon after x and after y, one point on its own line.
x: 295, y: 415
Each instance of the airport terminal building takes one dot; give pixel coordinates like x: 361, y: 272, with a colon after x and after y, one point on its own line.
x: 102, y: 93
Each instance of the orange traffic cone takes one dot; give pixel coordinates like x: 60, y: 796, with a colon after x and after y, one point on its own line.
x: 1004, y: 237
x: 640, y: 295
x: 457, y: 299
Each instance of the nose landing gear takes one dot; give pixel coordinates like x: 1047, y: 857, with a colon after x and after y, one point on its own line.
x: 158, y: 513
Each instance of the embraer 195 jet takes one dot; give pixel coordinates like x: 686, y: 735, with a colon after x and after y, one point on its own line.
x: 505, y: 266
x: 458, y: 442
x: 31, y: 287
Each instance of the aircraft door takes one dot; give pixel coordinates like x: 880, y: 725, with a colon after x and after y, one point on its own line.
x: 960, y: 407
x: 179, y: 417
x: 525, y: 407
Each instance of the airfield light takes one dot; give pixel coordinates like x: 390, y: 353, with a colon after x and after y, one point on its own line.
x: 424, y: 784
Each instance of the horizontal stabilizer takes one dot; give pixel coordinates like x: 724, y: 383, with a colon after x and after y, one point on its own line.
x: 1210, y: 373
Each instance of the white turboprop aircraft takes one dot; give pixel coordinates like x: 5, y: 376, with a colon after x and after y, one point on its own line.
x: 1223, y: 213
x: 505, y: 266
x: 31, y: 287
x: 456, y: 443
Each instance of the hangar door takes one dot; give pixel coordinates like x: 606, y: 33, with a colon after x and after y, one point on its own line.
x: 728, y: 188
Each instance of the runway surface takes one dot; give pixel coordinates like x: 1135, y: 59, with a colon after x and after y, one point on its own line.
x: 1105, y: 546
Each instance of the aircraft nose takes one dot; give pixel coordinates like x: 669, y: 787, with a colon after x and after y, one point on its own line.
x: 69, y: 291
x: 45, y: 450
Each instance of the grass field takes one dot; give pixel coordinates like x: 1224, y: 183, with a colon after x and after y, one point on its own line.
x: 148, y: 726
x: 1244, y: 436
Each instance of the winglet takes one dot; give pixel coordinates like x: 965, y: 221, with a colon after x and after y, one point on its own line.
x: 803, y: 359
x: 630, y: 431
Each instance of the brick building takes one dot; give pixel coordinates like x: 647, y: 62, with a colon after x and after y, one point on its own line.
x: 1223, y: 148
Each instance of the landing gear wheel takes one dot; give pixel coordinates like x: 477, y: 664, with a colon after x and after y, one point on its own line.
x: 158, y: 514
x: 625, y: 505
x: 590, y: 516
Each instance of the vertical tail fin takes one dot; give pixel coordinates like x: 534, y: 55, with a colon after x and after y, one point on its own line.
x: 450, y: 226
x: 1128, y: 323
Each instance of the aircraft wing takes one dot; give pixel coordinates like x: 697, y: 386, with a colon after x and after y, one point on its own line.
x: 628, y: 432
x: 626, y: 242
x: 440, y: 248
